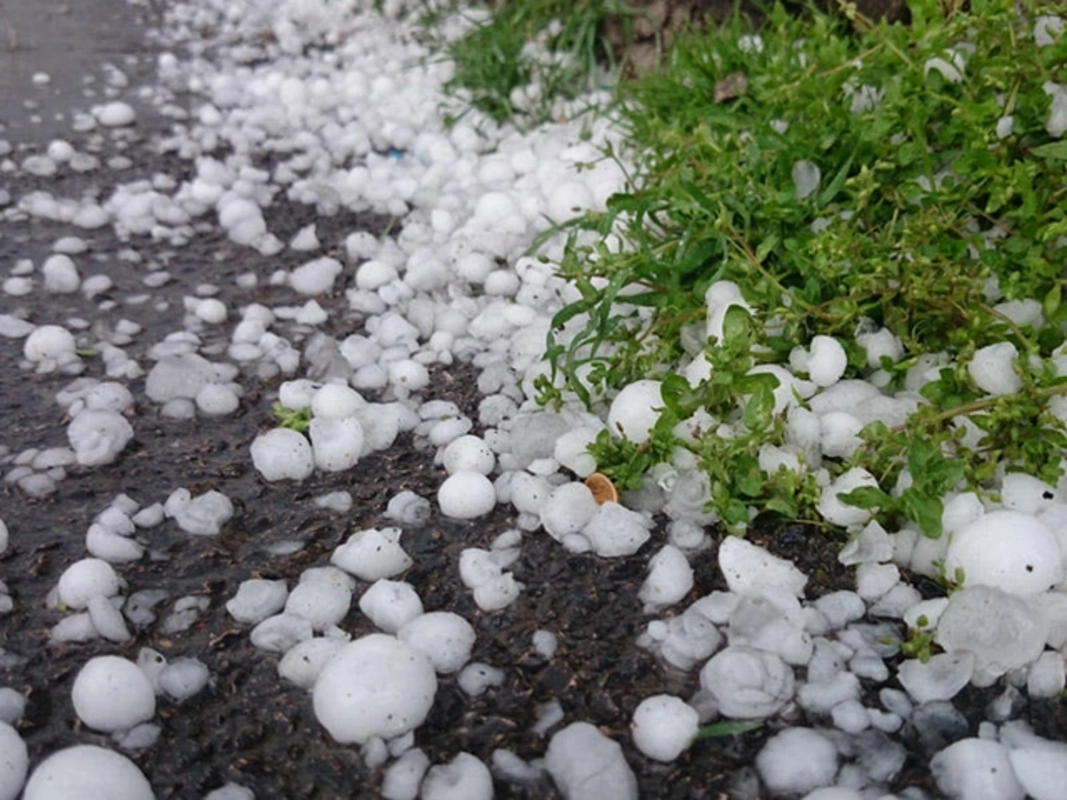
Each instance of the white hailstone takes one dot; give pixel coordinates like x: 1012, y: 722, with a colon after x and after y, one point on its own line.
x: 86, y: 770
x: 322, y: 597
x: 336, y: 443
x: 201, y: 516
x: 663, y: 726
x: 497, y: 593
x: 1000, y: 629
x: 305, y: 239
x: 616, y: 531
x: 315, y: 277
x: 836, y: 512
x: 572, y: 451
x: 806, y: 177
x: 215, y: 399
x: 993, y: 369
x: 280, y: 633
x: 230, y: 791
x: 402, y: 778
x: 84, y: 579
x: 718, y: 299
x: 334, y: 401
x: 107, y: 619
x: 98, y: 436
x: 1027, y: 494
x: 211, y: 310
x: 14, y: 762
x: 373, y: 275
x: 115, y: 114
x: 466, y: 495
x: 60, y: 274
x: 670, y: 577
x: 408, y: 375
x: 112, y: 694
x: 390, y: 604
x: 297, y: 394
x: 257, y: 599
x: 444, y: 637
x: 408, y: 508
x: 878, y: 344
x: 474, y: 267
x: 976, y: 768
x: 184, y: 678
x: 747, y: 683
x: 372, y: 554
x: 528, y: 493
x: 635, y: 410
x: 303, y: 663
x: 750, y: 569
x: 567, y: 510
x: 375, y: 686
x: 796, y: 761
x: 282, y: 454
x: 569, y: 199
x: 49, y: 343
x: 1056, y: 125
x: 827, y: 361
x: 583, y: 762
x: 941, y: 677
x: 465, y: 777
x: 4, y: 537
x: 468, y: 453
x: 1008, y: 550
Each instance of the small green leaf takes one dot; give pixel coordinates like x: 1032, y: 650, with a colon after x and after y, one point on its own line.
x: 1054, y: 151
x: 736, y: 326
x: 866, y: 497
x: 718, y: 730
x: 924, y: 510
x: 1051, y: 303
x: 759, y: 410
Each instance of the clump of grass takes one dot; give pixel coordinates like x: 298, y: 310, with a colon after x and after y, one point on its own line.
x: 899, y: 177
x: 527, y: 54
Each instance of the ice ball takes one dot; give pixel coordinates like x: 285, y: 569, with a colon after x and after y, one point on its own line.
x: 86, y: 770
x: 663, y: 726
x: 112, y: 694
x: 466, y: 495
x: 376, y: 685
x: 1008, y: 550
x: 636, y: 410
x: 282, y: 454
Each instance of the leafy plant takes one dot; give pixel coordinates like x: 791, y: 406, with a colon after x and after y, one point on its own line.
x: 298, y: 420
x: 899, y: 178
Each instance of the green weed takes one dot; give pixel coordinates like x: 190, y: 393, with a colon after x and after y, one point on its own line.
x: 902, y: 178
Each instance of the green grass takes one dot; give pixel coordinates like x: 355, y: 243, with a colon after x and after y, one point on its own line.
x: 921, y: 206
x: 555, y: 46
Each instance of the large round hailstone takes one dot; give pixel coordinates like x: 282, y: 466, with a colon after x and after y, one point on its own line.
x: 1009, y: 550
x: 636, y: 410
x: 748, y: 683
x: 466, y: 494
x: 282, y: 454
x: 336, y: 443
x: 85, y: 579
x: 14, y: 762
x: 796, y: 761
x: 336, y: 401
x: 86, y: 771
x: 468, y: 452
x: 567, y: 510
x: 663, y: 726
x: 446, y: 639
x: 49, y: 342
x: 112, y: 694
x: 98, y: 436
x: 375, y: 686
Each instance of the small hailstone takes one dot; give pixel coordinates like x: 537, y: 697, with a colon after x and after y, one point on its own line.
x: 315, y: 277
x: 748, y: 683
x: 567, y: 510
x: 375, y: 686
x: 976, y: 768
x: 465, y: 777
x: 468, y: 453
x: 305, y: 239
x: 4, y: 537
x: 583, y: 762
x: 282, y: 454
x: 257, y: 599
x: 332, y: 401
x: 112, y: 694
x: 836, y: 512
x: 304, y: 662
x: 183, y: 678
x: 466, y: 495
x: 806, y: 177
x: 408, y: 375
x: 322, y: 597
x: 750, y: 569
x: 402, y: 778
x: 216, y: 399
x: 1009, y: 550
x: 15, y: 762
x: 635, y: 410
x: 390, y: 604
x: 444, y: 637
x: 87, y: 771
x: 115, y: 114
x: 60, y: 274
x: 475, y: 678
x: 993, y: 369
x: 336, y: 444
x: 84, y: 579
x: 663, y: 726
x: 408, y: 508
x: 280, y: 633
x: 372, y: 554
x: 231, y: 791
x: 796, y: 761
x: 670, y: 577
x: 107, y: 620
x: 203, y: 515
x: 49, y: 343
